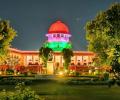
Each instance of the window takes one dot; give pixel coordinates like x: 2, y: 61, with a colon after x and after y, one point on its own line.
x: 89, y: 63
x: 61, y: 35
x: 54, y: 35
x: 78, y: 63
x: 58, y: 35
x: 72, y: 64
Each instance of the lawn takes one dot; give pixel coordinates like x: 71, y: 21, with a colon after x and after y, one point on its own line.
x: 54, y: 91
x: 57, y: 91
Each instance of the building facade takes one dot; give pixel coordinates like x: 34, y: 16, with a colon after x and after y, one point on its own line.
x: 58, y: 38
x: 32, y: 59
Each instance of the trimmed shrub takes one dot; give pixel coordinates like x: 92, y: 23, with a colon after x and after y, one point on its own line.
x: 111, y: 82
x: 90, y: 81
x: 106, y: 76
x: 9, y: 72
x: 118, y: 82
x: 77, y: 73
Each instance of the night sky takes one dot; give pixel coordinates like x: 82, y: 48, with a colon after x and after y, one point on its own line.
x: 32, y: 18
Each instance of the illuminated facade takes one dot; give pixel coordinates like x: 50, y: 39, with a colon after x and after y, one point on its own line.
x: 58, y: 38
x: 30, y: 59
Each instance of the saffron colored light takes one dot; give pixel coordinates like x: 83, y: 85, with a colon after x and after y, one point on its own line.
x: 58, y: 36
x: 58, y: 27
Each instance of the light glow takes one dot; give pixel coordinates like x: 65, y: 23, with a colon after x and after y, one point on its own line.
x: 58, y: 27
x: 61, y: 73
x: 58, y: 46
x: 58, y: 37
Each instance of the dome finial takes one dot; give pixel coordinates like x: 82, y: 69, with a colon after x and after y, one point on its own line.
x: 58, y: 21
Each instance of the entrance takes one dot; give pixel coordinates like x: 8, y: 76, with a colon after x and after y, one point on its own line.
x: 50, y: 69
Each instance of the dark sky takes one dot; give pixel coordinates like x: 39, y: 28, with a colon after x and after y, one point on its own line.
x: 32, y: 18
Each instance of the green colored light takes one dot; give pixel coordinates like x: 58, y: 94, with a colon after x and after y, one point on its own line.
x: 58, y: 46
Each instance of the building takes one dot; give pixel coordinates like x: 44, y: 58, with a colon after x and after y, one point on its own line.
x: 58, y: 38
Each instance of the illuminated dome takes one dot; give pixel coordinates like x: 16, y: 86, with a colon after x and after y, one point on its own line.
x: 58, y: 36
x: 58, y: 27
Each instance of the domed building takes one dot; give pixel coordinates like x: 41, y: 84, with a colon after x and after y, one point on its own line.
x: 58, y: 38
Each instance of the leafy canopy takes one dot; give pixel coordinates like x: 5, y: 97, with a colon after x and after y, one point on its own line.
x: 103, y: 35
x: 7, y: 34
x: 67, y: 54
x: 45, y: 54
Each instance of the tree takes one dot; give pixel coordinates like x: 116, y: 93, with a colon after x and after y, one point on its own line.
x: 45, y: 54
x: 67, y: 54
x: 103, y: 35
x: 7, y: 34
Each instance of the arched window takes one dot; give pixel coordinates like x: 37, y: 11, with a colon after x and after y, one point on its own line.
x: 78, y: 63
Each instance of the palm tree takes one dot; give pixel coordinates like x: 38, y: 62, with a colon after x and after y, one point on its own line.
x: 45, y: 54
x: 67, y: 54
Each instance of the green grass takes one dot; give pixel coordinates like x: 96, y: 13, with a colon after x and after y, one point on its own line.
x: 57, y: 91
x: 72, y: 92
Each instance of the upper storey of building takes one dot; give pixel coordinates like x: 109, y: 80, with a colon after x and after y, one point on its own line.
x: 58, y: 27
x: 58, y: 31
x: 58, y: 36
